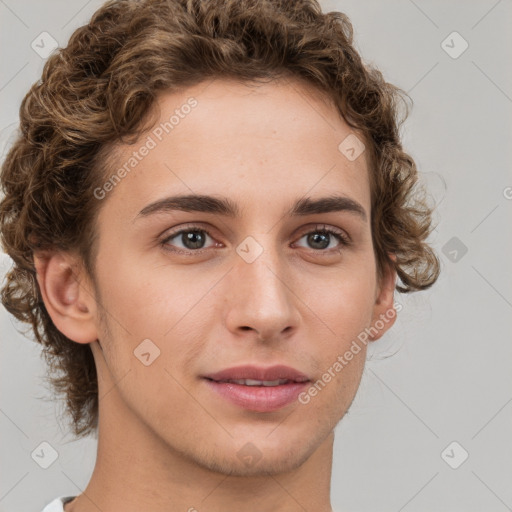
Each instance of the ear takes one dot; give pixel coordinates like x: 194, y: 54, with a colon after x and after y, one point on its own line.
x: 384, y: 313
x: 67, y: 295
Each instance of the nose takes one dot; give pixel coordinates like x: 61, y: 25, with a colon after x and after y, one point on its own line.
x: 262, y: 297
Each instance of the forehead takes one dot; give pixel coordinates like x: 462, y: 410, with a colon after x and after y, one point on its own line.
x: 258, y: 142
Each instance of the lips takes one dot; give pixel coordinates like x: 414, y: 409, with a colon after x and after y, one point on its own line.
x: 271, y: 373
x: 258, y: 389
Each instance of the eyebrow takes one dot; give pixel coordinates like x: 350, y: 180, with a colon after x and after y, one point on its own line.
x: 224, y: 206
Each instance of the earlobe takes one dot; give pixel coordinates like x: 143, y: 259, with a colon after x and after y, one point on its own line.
x: 70, y: 305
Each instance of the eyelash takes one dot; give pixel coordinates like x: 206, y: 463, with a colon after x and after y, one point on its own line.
x: 339, y: 235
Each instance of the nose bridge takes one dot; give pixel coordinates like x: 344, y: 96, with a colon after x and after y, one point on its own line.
x: 262, y: 298
x: 260, y: 266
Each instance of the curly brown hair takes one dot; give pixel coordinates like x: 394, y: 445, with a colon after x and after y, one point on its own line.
x: 99, y: 90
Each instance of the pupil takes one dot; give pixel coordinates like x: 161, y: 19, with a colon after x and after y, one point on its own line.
x: 314, y: 238
x: 193, y: 240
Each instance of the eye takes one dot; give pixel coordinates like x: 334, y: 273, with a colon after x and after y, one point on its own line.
x: 192, y: 239
x: 321, y: 237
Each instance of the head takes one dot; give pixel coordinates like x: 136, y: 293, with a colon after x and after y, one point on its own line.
x: 249, y: 102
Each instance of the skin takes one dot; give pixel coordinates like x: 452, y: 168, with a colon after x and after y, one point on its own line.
x: 166, y: 441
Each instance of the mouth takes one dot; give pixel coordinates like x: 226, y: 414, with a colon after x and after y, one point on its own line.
x: 258, y: 389
x: 254, y: 382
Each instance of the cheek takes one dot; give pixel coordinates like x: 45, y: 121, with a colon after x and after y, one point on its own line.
x: 348, y: 377
x: 149, y: 302
x: 345, y: 302
x: 342, y: 312
x: 330, y: 396
x: 137, y: 294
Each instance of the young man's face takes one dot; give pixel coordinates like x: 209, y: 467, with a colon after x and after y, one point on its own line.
x: 263, y: 287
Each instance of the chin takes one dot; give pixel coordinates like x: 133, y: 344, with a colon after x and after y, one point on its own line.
x: 273, y: 464
x: 260, y: 456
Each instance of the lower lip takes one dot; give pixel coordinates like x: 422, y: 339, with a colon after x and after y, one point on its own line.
x: 258, y: 398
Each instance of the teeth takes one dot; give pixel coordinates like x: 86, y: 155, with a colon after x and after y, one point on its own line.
x: 252, y: 382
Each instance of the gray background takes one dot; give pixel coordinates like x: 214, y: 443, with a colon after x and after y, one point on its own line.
x: 450, y: 376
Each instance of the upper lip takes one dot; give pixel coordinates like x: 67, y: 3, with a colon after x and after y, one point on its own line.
x: 259, y: 373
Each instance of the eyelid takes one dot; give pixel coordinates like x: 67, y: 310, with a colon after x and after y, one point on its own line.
x: 326, y: 227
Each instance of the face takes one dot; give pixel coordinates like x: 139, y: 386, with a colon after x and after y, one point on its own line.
x: 198, y: 289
